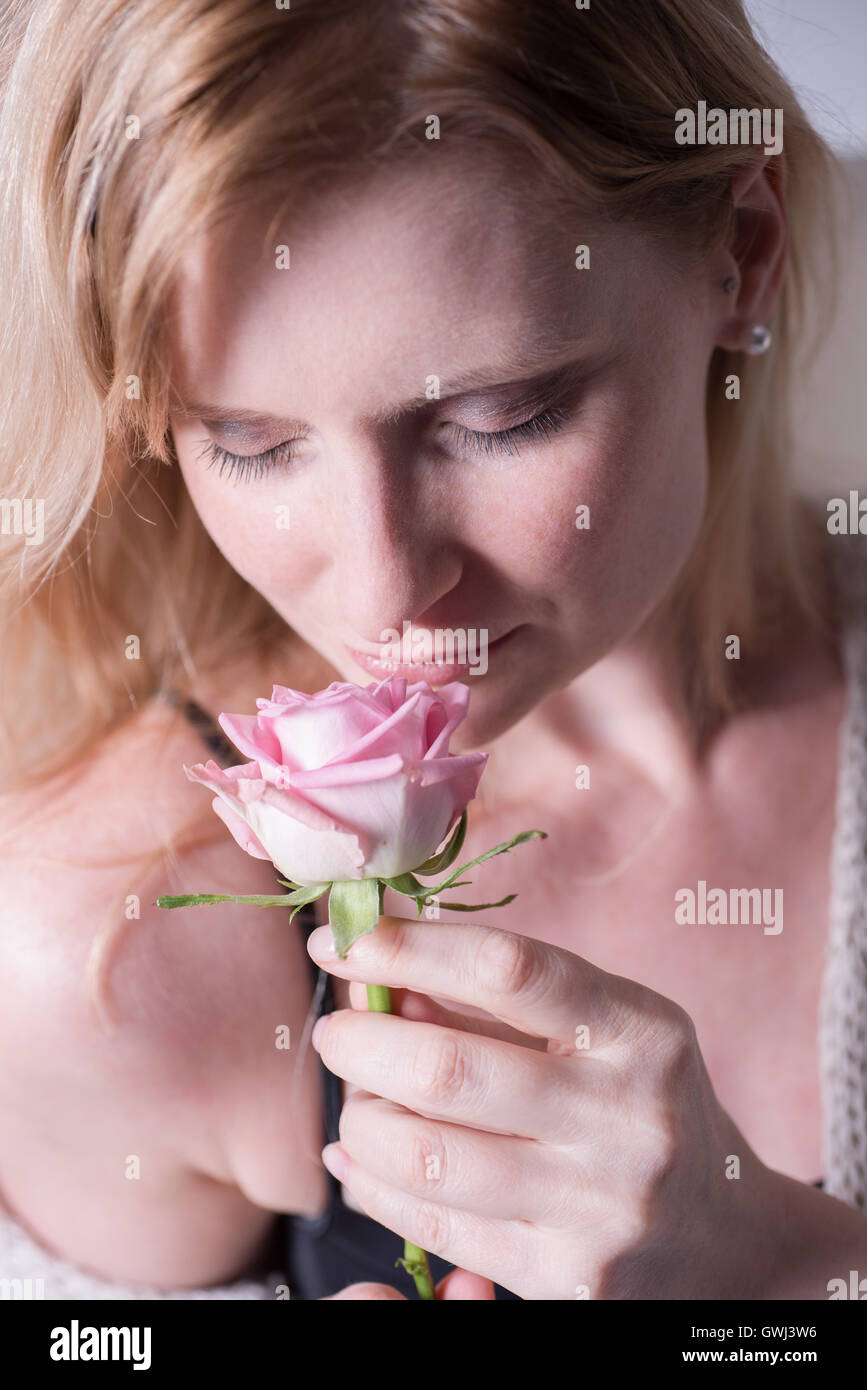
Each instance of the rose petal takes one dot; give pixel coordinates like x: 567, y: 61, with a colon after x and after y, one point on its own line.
x: 242, y: 832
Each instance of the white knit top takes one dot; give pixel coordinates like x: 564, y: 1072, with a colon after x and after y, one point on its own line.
x: 842, y: 1036
x: 843, y: 1007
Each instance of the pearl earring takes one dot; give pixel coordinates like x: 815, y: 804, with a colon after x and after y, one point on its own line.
x: 760, y: 340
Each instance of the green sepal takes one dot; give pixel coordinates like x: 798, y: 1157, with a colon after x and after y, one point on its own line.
x: 306, y: 893
x: 409, y: 886
x: 296, y: 900
x: 505, y: 848
x: 471, y: 907
x: 198, y: 899
x: 447, y: 856
x: 353, y: 910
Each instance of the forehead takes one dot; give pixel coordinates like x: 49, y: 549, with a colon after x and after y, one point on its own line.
x: 379, y: 285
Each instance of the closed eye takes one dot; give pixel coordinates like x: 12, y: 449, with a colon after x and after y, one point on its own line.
x: 537, y: 430
x: 248, y: 465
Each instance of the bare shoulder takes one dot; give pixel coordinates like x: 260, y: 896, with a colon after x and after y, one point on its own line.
x: 79, y: 875
x: 182, y: 1059
x: 83, y: 855
x: 129, y: 792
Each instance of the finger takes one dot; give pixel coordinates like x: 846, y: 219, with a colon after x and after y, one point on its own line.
x: 460, y: 1077
x: 495, y: 1175
x: 461, y: 1238
x: 369, y: 1291
x: 462, y: 1284
x: 407, y: 1003
x: 536, y: 988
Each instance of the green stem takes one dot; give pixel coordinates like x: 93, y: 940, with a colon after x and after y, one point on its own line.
x: 414, y: 1258
x: 415, y: 1263
x: 379, y: 999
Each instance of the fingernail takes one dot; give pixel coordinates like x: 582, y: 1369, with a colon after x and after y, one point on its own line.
x: 335, y: 1160
x: 316, y: 1035
x: 320, y: 944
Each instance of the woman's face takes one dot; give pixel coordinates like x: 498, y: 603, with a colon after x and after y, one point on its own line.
x: 419, y: 319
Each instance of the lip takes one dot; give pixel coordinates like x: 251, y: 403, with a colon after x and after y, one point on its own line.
x: 433, y: 672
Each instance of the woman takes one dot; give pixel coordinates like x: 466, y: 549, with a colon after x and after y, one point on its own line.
x: 346, y: 315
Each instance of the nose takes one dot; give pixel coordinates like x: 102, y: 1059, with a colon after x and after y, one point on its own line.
x: 394, y: 550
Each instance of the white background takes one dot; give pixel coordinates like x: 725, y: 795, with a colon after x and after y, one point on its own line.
x: 821, y: 46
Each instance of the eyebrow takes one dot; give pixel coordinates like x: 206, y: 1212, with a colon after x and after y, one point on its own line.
x: 487, y: 381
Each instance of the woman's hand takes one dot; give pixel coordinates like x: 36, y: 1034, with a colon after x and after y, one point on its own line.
x: 459, y: 1284
x: 569, y: 1146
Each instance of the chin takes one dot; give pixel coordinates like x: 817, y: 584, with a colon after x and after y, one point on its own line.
x: 492, y: 713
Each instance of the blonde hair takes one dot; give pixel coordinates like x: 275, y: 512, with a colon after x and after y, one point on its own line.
x: 223, y: 99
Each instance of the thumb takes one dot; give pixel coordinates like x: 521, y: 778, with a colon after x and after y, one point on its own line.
x: 460, y: 1283
x: 368, y: 1291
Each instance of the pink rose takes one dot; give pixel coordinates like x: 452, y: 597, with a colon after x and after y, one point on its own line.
x: 352, y: 782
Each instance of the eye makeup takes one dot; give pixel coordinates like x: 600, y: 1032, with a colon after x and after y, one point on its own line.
x: 535, y: 431
x: 247, y: 466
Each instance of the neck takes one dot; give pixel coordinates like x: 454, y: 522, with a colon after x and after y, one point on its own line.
x: 628, y: 705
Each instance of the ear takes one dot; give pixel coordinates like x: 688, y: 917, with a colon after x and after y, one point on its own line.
x: 756, y: 257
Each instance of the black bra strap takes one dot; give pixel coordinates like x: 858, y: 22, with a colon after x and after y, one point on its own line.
x: 206, y: 727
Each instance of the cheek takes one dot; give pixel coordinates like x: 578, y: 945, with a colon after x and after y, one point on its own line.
x: 251, y: 523
x: 612, y: 518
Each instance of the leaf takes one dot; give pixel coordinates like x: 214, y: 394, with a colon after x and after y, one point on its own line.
x: 198, y: 899
x: 353, y: 910
x: 409, y: 885
x: 447, y: 856
x: 476, y: 907
x: 307, y: 893
x: 505, y: 848
x: 295, y: 900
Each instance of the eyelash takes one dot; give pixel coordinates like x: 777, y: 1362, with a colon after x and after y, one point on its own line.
x: 246, y: 465
x: 539, y: 429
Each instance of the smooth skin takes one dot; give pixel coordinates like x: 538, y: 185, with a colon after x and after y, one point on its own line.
x: 560, y: 1169
x: 557, y: 1169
